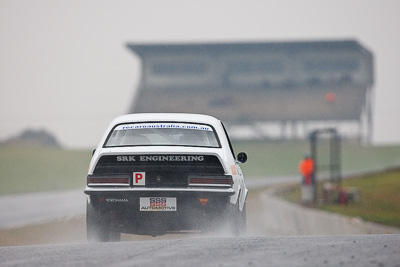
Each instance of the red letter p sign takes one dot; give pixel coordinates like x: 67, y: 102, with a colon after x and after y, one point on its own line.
x: 139, y: 178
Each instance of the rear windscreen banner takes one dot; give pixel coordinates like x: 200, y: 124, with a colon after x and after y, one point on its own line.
x: 187, y: 126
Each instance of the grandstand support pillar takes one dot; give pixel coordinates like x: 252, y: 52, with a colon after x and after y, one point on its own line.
x: 366, y: 123
x: 296, y: 132
x: 361, y: 138
x: 305, y: 129
x: 370, y: 122
x: 283, y: 130
x: 292, y: 129
x: 288, y: 130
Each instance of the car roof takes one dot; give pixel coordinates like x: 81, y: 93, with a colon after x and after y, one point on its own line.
x: 169, y: 117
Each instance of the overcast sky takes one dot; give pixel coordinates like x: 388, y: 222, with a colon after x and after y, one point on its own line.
x: 64, y: 65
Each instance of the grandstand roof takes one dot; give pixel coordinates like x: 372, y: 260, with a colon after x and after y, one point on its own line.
x: 300, y: 46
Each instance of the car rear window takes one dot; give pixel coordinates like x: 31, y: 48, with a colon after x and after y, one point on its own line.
x: 162, y: 134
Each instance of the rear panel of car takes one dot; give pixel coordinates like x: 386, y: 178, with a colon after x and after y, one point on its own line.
x: 162, y: 170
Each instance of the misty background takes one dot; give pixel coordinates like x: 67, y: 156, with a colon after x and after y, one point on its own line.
x: 65, y: 67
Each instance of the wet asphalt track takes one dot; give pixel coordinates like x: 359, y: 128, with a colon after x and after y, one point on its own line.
x: 357, y: 250
x: 48, y: 206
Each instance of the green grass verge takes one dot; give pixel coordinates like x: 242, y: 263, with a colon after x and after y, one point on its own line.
x: 380, y: 198
x: 26, y: 170
x: 271, y: 158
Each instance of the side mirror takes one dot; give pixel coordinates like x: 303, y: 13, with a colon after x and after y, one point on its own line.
x: 242, y: 157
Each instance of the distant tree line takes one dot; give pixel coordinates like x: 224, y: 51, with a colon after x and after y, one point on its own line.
x: 33, y: 137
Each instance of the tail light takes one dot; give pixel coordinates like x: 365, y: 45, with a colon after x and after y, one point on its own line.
x: 219, y: 181
x: 110, y: 180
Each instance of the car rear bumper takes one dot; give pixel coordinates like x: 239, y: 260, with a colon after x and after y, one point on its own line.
x: 141, y: 191
x: 196, y: 208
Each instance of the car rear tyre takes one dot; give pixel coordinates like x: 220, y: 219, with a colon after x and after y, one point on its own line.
x: 236, y: 220
x: 98, y: 226
x: 243, y: 221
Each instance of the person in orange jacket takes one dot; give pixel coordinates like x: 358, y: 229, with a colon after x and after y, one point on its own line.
x: 306, y: 168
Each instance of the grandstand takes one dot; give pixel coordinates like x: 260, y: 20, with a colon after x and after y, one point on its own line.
x: 292, y: 84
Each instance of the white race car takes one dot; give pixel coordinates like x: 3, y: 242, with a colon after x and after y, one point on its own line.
x: 163, y: 172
